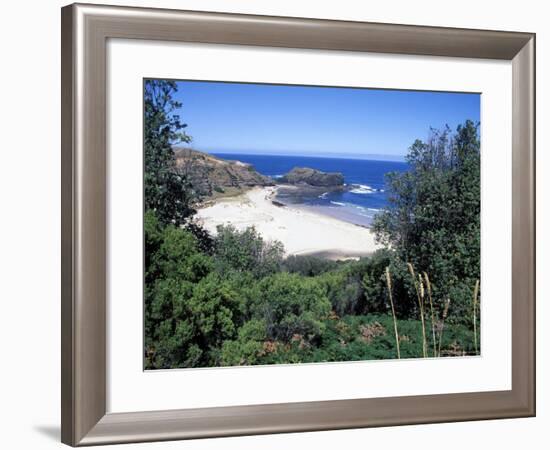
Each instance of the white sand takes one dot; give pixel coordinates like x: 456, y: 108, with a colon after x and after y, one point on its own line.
x: 302, y: 232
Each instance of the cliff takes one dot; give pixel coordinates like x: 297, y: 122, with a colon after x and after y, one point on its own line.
x: 210, y: 175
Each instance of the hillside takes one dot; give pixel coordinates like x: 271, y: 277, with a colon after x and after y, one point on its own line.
x: 211, y: 176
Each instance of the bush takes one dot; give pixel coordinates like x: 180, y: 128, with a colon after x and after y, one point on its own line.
x: 248, y: 348
x: 215, y: 310
x: 173, y: 267
x: 344, y: 291
x: 308, y: 266
x: 246, y: 251
x: 170, y: 334
x: 291, y: 306
x: 172, y: 252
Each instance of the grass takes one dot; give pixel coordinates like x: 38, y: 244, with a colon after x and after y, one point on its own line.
x: 388, y: 282
x: 474, y: 308
x: 423, y: 289
x: 429, y: 288
x: 419, y: 288
x: 445, y: 312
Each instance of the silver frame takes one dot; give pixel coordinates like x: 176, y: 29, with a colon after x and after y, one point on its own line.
x: 85, y: 30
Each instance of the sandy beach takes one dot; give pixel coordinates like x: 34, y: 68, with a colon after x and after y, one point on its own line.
x: 302, y: 232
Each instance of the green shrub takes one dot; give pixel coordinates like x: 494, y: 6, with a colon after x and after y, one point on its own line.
x: 291, y: 305
x: 248, y: 348
x: 308, y: 266
x: 246, y: 251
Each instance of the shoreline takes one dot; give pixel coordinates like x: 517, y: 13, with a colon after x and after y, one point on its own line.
x: 301, y: 231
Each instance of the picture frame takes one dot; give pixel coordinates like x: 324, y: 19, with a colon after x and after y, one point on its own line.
x: 85, y: 31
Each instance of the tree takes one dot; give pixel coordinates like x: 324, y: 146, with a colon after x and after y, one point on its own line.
x: 433, y: 216
x: 167, y: 192
x: 174, y: 266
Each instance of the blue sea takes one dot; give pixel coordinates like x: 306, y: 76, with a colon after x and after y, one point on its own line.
x: 357, y: 204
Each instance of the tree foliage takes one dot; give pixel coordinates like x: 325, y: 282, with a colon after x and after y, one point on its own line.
x: 167, y: 192
x: 433, y: 218
x: 247, y: 251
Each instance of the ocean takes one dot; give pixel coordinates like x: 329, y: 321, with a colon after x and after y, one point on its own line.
x: 357, y: 205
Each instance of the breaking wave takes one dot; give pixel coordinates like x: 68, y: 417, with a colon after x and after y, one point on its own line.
x: 364, y: 189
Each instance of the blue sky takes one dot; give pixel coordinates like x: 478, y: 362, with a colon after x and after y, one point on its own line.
x: 315, y: 121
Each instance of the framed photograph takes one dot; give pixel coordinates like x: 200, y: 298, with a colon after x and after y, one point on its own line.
x: 281, y: 224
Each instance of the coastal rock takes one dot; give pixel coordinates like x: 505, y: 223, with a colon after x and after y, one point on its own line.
x: 312, y: 177
x: 210, y: 175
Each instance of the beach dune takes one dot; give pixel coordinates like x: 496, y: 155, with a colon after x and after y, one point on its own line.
x: 302, y: 231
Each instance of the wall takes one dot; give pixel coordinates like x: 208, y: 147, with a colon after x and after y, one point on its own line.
x: 30, y: 208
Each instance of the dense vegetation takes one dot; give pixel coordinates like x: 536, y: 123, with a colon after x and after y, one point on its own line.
x: 433, y: 218
x: 235, y: 299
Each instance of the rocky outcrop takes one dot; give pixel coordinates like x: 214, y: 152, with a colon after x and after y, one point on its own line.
x: 209, y: 175
x: 312, y: 177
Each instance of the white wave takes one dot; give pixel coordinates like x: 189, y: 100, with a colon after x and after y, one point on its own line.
x: 366, y: 212
x: 338, y: 203
x: 363, y: 189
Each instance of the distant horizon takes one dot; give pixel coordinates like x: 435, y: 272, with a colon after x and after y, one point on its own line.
x: 362, y: 157
x: 312, y: 121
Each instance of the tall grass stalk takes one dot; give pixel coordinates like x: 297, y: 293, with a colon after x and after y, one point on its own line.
x: 445, y: 312
x: 422, y: 309
x: 388, y: 282
x: 429, y: 288
x: 474, y: 307
x: 419, y: 288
